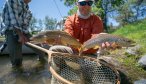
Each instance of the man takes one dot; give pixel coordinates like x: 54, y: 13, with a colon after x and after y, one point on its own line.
x: 16, y: 17
x: 15, y: 21
x: 83, y: 25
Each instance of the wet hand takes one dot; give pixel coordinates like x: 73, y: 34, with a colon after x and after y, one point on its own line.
x: 108, y: 45
x: 22, y: 38
x: 105, y: 45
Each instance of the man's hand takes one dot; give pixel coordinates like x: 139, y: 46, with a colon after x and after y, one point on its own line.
x: 22, y: 37
x: 108, y: 45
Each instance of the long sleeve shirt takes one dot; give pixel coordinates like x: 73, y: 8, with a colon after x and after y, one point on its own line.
x: 83, y: 29
x: 16, y: 14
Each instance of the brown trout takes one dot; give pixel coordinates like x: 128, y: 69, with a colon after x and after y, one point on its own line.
x: 50, y: 37
x: 97, y: 41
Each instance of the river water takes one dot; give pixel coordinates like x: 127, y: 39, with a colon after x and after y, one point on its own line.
x: 32, y: 73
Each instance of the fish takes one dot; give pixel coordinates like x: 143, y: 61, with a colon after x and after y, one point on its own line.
x: 50, y: 38
x: 114, y: 40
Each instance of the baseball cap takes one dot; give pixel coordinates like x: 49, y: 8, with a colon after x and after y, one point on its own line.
x: 84, y: 0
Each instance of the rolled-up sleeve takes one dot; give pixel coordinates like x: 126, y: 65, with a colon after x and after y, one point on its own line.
x: 97, y: 26
x: 68, y: 27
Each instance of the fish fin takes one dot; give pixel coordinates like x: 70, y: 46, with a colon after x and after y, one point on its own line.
x: 81, y: 49
x: 80, y: 52
x: 96, y: 47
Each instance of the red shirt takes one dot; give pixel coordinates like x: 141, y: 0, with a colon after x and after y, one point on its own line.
x: 83, y: 29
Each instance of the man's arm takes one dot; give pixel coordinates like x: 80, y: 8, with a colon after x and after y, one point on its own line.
x: 68, y: 26
x: 14, y: 14
x: 13, y: 8
x: 97, y: 26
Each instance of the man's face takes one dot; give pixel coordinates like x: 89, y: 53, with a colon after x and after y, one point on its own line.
x: 27, y: 1
x: 85, y: 7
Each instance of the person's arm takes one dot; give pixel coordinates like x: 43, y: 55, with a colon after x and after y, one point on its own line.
x: 26, y: 21
x: 14, y: 14
x: 97, y: 29
x: 68, y: 26
x: 15, y: 19
x: 97, y: 26
x: 22, y: 38
x: 27, y: 18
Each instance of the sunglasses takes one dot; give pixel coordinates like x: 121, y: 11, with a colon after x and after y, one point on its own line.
x: 83, y: 3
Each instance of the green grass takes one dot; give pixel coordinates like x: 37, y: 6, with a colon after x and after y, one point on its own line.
x: 136, y: 32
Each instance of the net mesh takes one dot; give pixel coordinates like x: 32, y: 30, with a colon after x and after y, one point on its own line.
x: 83, y: 70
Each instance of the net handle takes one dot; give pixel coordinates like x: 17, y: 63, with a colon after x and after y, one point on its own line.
x: 38, y: 47
x: 49, y: 53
